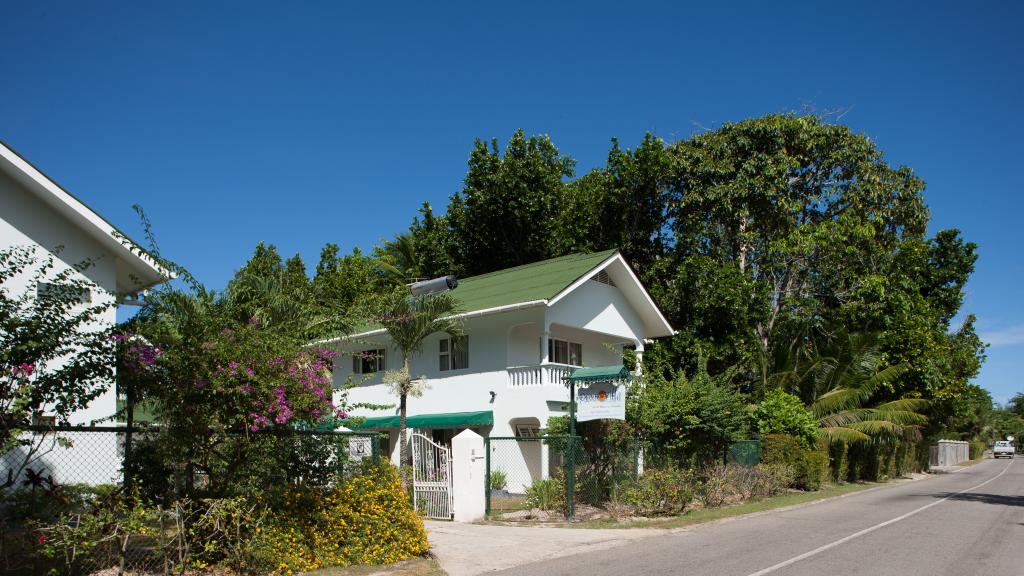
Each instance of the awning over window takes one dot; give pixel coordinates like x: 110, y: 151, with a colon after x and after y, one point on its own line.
x: 445, y: 420
x: 600, y: 374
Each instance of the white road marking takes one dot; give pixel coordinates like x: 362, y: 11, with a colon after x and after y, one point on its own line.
x: 821, y: 549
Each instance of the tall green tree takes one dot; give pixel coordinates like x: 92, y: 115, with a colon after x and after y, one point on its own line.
x: 434, y: 243
x: 620, y: 205
x: 504, y: 214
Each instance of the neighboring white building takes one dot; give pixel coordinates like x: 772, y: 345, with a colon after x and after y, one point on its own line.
x: 526, y: 329
x: 35, y: 211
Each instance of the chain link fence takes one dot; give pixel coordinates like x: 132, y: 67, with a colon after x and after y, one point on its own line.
x: 71, y: 498
x: 744, y: 453
x: 564, y: 478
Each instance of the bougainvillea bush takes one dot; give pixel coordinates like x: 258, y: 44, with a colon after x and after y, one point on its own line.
x: 228, y: 388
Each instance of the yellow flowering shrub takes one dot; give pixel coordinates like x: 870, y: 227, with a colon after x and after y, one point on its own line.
x: 366, y: 520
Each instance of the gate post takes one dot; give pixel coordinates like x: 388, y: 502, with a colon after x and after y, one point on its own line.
x: 469, y: 473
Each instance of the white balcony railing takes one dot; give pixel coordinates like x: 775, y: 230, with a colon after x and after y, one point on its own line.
x: 541, y: 375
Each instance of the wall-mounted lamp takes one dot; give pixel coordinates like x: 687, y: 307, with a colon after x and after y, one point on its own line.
x: 493, y: 394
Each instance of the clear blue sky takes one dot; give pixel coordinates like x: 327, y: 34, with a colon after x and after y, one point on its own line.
x: 301, y: 123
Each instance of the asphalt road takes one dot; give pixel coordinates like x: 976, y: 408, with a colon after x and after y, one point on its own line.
x: 966, y: 523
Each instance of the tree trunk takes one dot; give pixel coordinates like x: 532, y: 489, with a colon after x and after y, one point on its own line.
x: 404, y: 457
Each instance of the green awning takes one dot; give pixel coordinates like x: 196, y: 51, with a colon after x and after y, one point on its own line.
x: 600, y: 374
x: 446, y: 420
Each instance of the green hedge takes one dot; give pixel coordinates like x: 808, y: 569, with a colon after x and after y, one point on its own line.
x: 874, y: 462
x: 978, y: 449
x: 810, y: 466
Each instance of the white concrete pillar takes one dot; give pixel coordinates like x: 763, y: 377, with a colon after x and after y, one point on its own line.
x: 544, y: 339
x: 639, y: 359
x: 468, y: 476
x: 545, y: 461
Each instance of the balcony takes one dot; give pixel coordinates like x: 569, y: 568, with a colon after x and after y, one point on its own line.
x: 541, y: 375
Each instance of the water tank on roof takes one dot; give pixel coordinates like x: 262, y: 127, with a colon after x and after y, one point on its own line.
x: 442, y: 284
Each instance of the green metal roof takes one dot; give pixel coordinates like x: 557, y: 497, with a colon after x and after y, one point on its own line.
x: 599, y: 374
x: 527, y: 283
x: 445, y: 420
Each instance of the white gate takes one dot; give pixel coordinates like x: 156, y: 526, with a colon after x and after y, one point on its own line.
x: 431, y: 477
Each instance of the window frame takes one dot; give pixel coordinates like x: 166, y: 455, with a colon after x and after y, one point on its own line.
x: 360, y: 361
x: 570, y: 349
x: 447, y: 353
x: 84, y: 293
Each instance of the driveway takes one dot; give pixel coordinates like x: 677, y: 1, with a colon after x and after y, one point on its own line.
x: 468, y: 549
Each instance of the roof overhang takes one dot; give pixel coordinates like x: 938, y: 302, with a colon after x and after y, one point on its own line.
x: 137, y: 270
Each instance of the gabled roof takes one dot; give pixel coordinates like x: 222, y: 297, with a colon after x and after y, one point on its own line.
x: 141, y: 270
x: 527, y: 283
x: 546, y: 282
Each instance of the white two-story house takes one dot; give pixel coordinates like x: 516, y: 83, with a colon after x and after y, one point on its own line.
x: 526, y: 329
x: 37, y: 212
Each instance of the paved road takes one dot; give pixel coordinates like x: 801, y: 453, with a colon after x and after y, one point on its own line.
x: 970, y: 522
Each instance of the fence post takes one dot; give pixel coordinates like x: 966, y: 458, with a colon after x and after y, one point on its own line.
x: 570, y: 480
x: 487, y: 476
x: 468, y: 471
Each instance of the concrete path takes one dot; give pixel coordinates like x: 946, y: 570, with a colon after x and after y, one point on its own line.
x: 470, y: 549
x: 964, y: 523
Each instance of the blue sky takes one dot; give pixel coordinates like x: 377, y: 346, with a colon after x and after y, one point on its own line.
x: 301, y: 123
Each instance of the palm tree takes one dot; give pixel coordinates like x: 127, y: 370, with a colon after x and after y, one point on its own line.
x: 409, y: 320
x: 837, y: 383
x: 397, y: 259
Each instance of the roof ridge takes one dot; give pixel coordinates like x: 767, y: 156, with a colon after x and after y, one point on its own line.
x: 602, y: 253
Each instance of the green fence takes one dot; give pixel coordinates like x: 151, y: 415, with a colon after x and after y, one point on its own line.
x: 555, y: 477
x: 569, y: 478
x: 745, y: 453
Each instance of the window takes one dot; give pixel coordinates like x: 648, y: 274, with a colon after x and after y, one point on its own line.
x: 454, y: 353
x: 51, y: 290
x: 565, y: 352
x: 368, y: 361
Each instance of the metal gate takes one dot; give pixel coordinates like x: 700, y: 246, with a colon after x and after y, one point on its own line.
x: 431, y: 477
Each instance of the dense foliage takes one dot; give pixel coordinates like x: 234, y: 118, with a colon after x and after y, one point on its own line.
x: 691, y: 419
x: 764, y: 242
x: 782, y: 413
x: 56, y: 351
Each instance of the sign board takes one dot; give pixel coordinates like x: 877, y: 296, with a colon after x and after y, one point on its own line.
x: 359, y: 448
x: 601, y: 401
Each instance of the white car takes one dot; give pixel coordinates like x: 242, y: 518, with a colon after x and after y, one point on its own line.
x: 1002, y: 448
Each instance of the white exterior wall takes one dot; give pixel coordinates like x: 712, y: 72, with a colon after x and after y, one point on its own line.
x: 26, y: 221
x: 596, y: 315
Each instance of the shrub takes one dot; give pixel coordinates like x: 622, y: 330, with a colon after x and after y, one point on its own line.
x: 839, y: 461
x: 978, y: 449
x: 547, y: 494
x: 813, y: 470
x: 810, y: 466
x: 660, y: 492
x: 498, y: 479
x: 691, y: 419
x: 771, y: 479
x: 366, y: 520
x: 782, y: 413
x: 716, y: 487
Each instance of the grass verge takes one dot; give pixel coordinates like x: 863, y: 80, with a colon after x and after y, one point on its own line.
x: 703, y: 515
x: 411, y: 567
